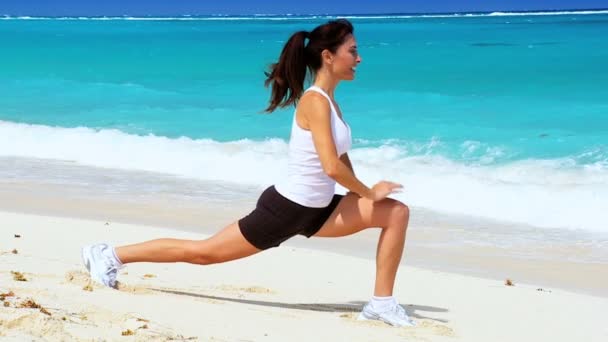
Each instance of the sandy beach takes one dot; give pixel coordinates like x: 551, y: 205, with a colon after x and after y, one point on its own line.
x: 122, y: 123
x: 294, y: 293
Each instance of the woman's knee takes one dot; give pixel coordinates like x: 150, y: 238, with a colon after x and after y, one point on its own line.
x: 400, y: 213
x: 229, y: 244
x: 196, y: 253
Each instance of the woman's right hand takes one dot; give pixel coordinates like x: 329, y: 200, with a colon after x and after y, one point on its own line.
x: 382, y: 189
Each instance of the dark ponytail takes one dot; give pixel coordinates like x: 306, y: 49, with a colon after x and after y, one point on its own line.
x: 286, y: 77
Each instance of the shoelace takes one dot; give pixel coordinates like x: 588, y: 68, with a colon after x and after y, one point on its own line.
x: 111, y: 272
x: 110, y: 264
x: 112, y: 269
x: 402, y: 313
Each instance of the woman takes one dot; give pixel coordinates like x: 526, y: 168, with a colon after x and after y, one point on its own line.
x: 305, y: 203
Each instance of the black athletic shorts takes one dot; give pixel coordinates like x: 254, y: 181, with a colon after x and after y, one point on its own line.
x: 276, y: 219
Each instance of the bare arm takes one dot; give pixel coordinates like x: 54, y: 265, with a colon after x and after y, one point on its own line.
x: 315, y: 109
x: 344, y: 158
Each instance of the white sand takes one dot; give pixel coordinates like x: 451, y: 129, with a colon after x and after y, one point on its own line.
x: 285, y: 294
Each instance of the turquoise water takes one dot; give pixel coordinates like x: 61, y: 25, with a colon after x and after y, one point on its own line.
x: 500, y: 116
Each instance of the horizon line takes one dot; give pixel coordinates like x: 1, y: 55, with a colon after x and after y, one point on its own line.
x: 569, y: 10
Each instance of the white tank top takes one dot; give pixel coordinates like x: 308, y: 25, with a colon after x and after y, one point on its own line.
x: 306, y: 183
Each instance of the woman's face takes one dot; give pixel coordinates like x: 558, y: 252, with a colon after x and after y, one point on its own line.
x: 346, y: 59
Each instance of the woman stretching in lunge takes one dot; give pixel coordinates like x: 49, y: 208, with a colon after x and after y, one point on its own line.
x: 305, y: 203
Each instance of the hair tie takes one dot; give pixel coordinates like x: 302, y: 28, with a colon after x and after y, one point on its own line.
x: 306, y: 36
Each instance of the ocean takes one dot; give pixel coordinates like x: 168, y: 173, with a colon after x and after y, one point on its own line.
x: 497, y: 116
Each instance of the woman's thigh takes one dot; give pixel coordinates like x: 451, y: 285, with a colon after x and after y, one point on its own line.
x: 355, y: 213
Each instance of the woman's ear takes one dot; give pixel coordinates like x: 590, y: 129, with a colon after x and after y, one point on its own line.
x: 327, y: 56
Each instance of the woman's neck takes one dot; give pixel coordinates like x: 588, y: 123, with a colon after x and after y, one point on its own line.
x: 326, y: 82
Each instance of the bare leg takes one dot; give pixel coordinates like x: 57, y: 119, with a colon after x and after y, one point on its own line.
x: 388, y: 257
x: 228, y: 244
x: 354, y: 214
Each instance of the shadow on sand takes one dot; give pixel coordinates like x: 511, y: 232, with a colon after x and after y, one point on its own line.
x: 353, y: 306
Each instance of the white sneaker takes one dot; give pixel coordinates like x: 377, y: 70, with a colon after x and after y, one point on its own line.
x: 395, y: 316
x: 101, y: 263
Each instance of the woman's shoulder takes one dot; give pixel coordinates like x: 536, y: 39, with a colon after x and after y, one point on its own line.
x: 313, y: 100
x: 312, y: 106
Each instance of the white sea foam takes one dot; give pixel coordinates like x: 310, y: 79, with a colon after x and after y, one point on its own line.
x: 545, y: 193
x: 548, y: 13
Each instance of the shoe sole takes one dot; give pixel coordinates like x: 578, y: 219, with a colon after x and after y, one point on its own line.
x: 86, y: 260
x: 84, y: 255
x: 364, y: 317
